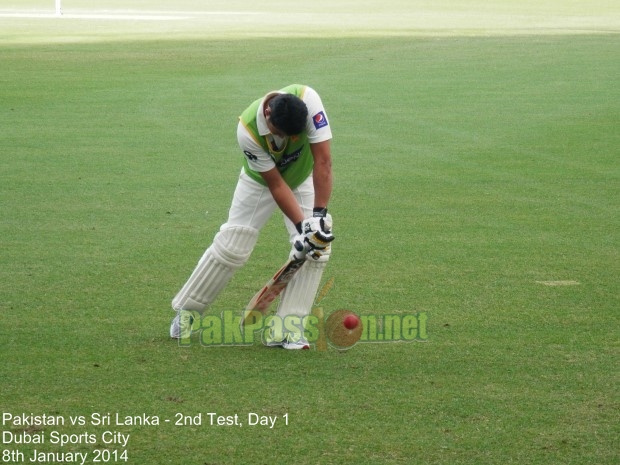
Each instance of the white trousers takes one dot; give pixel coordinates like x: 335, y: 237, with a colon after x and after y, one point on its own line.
x: 251, y: 208
x: 252, y: 204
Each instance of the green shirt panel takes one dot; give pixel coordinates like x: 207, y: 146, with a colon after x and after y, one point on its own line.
x: 294, y: 160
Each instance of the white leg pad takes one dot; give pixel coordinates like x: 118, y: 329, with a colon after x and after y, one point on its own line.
x: 231, y: 249
x: 298, y: 297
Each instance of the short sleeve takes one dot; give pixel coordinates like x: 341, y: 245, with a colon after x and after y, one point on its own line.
x: 318, y: 127
x: 258, y: 159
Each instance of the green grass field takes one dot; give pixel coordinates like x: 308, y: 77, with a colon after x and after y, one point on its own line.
x: 477, y: 181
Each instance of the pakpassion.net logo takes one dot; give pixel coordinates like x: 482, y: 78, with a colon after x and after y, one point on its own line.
x: 342, y: 329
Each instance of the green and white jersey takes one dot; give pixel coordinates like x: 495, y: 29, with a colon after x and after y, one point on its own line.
x: 291, y: 155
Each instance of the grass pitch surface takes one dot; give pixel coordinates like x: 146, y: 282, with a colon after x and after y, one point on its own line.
x: 476, y: 183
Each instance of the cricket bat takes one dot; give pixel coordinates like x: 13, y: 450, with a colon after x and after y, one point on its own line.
x: 262, y: 299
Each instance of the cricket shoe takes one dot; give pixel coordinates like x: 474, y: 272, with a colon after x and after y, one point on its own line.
x: 299, y: 344
x: 181, y: 325
x: 289, y: 342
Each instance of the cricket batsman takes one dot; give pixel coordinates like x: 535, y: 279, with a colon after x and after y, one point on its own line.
x: 285, y: 138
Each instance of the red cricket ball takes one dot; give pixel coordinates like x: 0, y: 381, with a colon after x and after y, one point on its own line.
x: 351, y: 322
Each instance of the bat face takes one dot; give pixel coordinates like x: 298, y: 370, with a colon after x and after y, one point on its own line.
x: 262, y: 299
x: 275, y: 286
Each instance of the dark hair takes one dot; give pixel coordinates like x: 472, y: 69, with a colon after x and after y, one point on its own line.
x: 288, y: 113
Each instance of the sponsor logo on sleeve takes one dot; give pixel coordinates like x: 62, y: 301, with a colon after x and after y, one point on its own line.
x: 250, y: 156
x: 319, y: 120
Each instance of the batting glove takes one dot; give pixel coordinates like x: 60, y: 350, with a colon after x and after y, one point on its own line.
x: 300, y: 247
x: 317, y: 232
x: 319, y: 221
x: 319, y: 240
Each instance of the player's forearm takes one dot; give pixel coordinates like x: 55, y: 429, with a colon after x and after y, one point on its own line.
x: 283, y: 195
x: 322, y: 179
x: 322, y: 174
x: 287, y: 202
